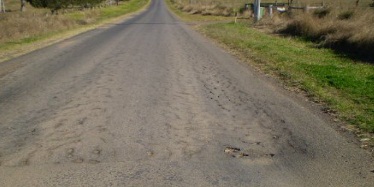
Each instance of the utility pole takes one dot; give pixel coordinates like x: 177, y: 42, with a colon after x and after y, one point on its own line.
x: 257, y: 10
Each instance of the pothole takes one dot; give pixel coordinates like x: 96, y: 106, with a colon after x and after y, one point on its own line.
x: 230, y: 150
x: 235, y: 152
x: 239, y: 153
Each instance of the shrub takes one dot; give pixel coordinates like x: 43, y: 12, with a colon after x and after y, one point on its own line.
x: 187, y: 8
x: 321, y: 13
x: 346, y: 15
x: 304, y: 26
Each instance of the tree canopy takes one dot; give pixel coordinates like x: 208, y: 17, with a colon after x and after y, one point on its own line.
x: 55, y: 5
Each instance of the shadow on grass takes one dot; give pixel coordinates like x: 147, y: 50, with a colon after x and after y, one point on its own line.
x: 356, y: 53
x: 363, y: 52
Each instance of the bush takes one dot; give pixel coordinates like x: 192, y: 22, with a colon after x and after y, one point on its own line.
x: 346, y: 15
x: 304, y: 26
x: 321, y: 13
x: 187, y: 8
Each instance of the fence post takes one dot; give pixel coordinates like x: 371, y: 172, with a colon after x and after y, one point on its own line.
x: 2, y: 6
x: 306, y: 9
x: 271, y: 11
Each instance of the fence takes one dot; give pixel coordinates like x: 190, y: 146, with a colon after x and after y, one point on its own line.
x: 307, y: 7
x: 292, y: 3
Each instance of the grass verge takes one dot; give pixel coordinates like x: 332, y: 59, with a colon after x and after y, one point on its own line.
x: 346, y: 86
x: 36, y: 28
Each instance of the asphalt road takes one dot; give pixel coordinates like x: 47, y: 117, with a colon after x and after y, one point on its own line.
x: 149, y: 102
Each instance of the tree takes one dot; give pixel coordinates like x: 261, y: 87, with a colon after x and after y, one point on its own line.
x: 55, y: 5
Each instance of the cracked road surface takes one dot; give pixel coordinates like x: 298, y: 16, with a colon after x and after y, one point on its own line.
x: 149, y: 102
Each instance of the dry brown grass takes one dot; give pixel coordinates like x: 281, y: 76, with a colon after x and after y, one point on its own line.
x: 23, y: 25
x: 207, y: 9
x: 16, y: 25
x: 347, y: 31
x: 34, y: 24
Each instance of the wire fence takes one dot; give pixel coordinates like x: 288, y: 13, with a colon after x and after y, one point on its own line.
x: 295, y: 3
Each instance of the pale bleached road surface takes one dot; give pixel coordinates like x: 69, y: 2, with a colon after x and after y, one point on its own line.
x: 149, y: 102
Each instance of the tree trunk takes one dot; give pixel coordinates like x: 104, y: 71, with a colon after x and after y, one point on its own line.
x: 23, y: 5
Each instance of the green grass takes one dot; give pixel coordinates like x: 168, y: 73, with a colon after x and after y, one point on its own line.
x: 115, y: 11
x: 344, y: 85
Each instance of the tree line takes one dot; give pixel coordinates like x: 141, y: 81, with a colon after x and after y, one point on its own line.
x: 55, y: 5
